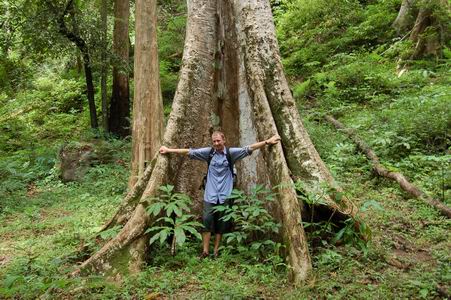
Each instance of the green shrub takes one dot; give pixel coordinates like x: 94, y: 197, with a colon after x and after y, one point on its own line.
x: 254, y: 226
x: 176, y: 220
x: 312, y: 32
x: 416, y: 123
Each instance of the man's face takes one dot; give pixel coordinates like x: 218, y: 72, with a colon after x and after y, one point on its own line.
x: 218, y: 142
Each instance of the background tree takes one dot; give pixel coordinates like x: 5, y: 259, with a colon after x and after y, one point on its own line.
x: 430, y: 32
x: 103, y: 61
x: 405, y: 18
x: 147, y: 104
x: 119, y: 115
x: 425, y: 22
x: 74, y: 36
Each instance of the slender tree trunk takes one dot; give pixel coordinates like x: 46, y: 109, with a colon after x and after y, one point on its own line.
x: 232, y: 78
x: 74, y: 37
x: 119, y: 115
x: 90, y: 90
x: 104, y: 68
x: 79, y: 65
x: 147, y: 103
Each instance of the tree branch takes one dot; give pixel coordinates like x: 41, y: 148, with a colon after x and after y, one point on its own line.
x: 382, y: 171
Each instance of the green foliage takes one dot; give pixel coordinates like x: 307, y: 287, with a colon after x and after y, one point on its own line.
x: 342, y: 57
x: 312, y: 32
x: 172, y: 204
x: 20, y: 169
x: 353, y: 231
x: 419, y: 122
x: 254, y: 226
x: 48, y: 111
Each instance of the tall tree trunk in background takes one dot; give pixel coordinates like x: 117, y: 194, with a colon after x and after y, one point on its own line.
x: 75, y: 37
x: 231, y: 77
x: 119, y: 115
x: 104, y: 63
x: 147, y: 102
x: 431, y: 30
x: 405, y: 18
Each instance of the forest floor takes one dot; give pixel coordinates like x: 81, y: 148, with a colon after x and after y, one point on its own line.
x: 48, y: 229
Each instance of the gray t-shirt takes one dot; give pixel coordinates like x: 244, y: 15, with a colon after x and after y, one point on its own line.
x: 219, y: 177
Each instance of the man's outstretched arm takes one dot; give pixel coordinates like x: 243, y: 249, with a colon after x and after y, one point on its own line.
x: 166, y: 150
x: 271, y: 141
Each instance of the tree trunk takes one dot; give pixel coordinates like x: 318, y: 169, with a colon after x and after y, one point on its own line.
x: 431, y: 32
x: 147, y: 103
x: 119, y: 115
x: 74, y: 37
x: 232, y: 78
x: 104, y: 68
x: 405, y: 17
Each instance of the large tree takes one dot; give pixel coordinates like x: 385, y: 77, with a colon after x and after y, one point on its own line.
x: 232, y: 78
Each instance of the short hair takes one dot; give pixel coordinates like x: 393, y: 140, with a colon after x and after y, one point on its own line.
x: 218, y: 133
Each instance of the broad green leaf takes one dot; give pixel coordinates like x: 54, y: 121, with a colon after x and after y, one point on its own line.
x: 180, y: 236
x: 154, y: 238
x: 164, y: 235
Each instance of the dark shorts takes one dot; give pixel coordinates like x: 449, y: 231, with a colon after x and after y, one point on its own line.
x: 212, y: 220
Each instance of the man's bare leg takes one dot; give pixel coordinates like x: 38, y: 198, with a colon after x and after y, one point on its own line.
x: 218, y: 238
x: 206, y: 242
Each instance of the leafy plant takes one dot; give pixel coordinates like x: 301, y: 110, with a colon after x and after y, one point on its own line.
x: 355, y: 231
x: 176, y: 220
x: 254, y: 225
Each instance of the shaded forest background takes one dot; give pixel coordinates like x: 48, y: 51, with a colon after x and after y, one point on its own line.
x: 342, y: 58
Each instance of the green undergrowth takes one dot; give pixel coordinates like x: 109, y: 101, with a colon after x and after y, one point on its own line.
x: 51, y: 230
x: 406, y: 126
x: 48, y: 227
x: 46, y: 230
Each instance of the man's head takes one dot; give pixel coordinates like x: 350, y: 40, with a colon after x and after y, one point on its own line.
x: 218, y: 140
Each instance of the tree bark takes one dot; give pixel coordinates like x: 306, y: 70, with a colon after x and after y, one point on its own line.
x: 405, y: 17
x: 147, y: 103
x: 74, y: 37
x: 429, y: 32
x: 104, y: 67
x: 264, y: 65
x: 119, y: 115
x: 380, y: 170
x: 231, y: 78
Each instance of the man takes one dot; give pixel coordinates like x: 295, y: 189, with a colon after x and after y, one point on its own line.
x: 219, y: 181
